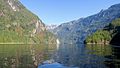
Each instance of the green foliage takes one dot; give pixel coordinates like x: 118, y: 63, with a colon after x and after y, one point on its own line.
x: 99, y: 36
x: 11, y: 37
x: 116, y: 23
x: 106, y: 34
x: 17, y: 26
x: 44, y: 37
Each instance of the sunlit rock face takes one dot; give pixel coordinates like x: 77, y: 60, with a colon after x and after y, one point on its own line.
x: 17, y: 22
x: 11, y: 3
x: 39, y: 27
x: 16, y: 14
x: 76, y: 31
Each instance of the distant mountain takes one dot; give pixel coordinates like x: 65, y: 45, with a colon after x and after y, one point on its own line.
x: 76, y: 31
x: 19, y: 25
x: 51, y: 27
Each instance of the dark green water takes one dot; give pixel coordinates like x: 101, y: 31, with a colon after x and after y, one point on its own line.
x: 76, y: 55
x: 24, y: 56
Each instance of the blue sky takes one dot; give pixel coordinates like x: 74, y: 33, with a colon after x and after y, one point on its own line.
x: 61, y: 11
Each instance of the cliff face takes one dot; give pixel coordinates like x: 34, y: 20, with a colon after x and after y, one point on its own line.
x: 17, y: 24
x: 15, y: 13
x: 76, y: 31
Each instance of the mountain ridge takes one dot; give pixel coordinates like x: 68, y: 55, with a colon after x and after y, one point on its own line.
x: 77, y: 30
x: 110, y: 34
x: 18, y: 24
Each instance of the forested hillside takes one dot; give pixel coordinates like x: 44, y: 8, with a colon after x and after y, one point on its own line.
x: 19, y: 25
x: 105, y: 36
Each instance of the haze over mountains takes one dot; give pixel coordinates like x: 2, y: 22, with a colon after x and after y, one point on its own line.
x: 76, y: 31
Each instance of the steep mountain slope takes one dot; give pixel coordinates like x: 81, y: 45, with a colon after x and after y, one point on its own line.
x: 77, y: 30
x: 19, y: 25
x: 109, y: 34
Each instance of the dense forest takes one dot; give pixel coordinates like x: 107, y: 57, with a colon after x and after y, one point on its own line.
x: 105, y: 35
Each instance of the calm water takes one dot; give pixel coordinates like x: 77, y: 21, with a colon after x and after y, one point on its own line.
x: 24, y: 56
x: 77, y: 55
x: 88, y: 56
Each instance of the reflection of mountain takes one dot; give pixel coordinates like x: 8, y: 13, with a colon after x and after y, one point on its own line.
x: 15, y: 56
x: 69, y: 55
x: 77, y: 30
x: 82, y: 56
x: 24, y: 56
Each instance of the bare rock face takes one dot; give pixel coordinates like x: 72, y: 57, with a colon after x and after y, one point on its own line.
x: 12, y: 5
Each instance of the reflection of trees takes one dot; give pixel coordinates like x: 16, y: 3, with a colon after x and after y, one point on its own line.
x: 72, y: 55
x: 101, y: 50
x: 14, y: 62
x: 15, y: 56
x: 88, y: 56
x: 114, y: 59
x: 22, y: 56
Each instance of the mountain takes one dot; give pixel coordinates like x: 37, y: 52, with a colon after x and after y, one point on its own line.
x: 109, y: 34
x: 51, y: 27
x: 19, y: 25
x: 76, y: 31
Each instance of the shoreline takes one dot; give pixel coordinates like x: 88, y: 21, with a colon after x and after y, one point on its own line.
x: 21, y: 43
x: 98, y: 43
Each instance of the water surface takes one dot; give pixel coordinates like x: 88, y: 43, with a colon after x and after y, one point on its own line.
x: 68, y: 56
x: 24, y: 56
x: 88, y: 56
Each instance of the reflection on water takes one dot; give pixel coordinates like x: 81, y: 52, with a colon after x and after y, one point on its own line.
x: 77, y: 55
x: 114, y: 61
x: 23, y: 56
x: 88, y: 56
